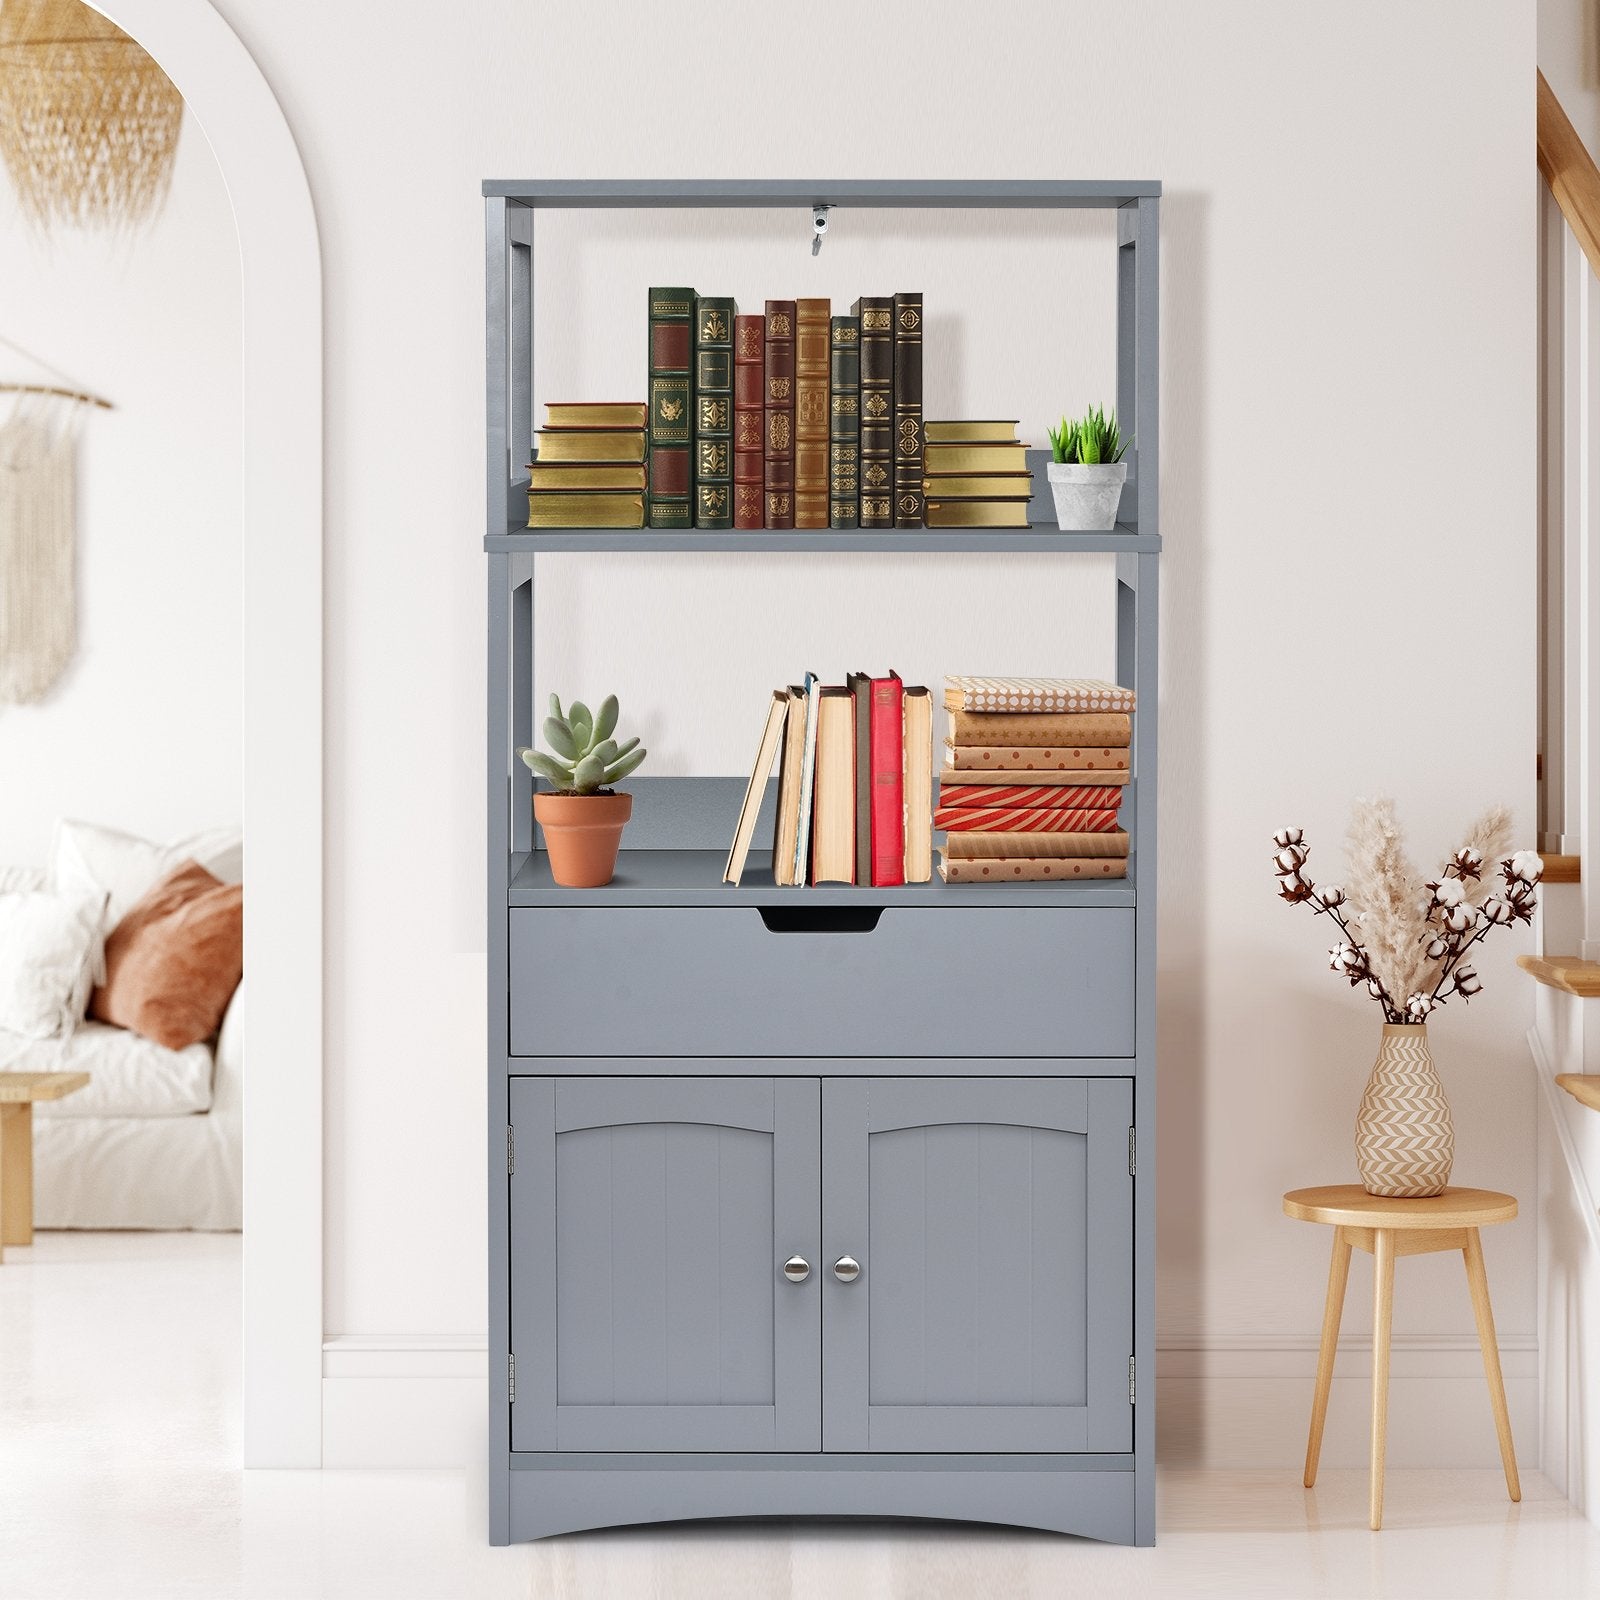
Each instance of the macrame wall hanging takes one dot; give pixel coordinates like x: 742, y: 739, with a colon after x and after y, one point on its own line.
x: 38, y: 538
x: 88, y: 122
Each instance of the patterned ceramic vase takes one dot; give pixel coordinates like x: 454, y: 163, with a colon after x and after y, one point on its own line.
x: 1404, y: 1139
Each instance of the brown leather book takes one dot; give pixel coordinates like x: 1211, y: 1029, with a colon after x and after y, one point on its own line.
x: 749, y: 421
x: 778, y: 447
x: 811, y: 413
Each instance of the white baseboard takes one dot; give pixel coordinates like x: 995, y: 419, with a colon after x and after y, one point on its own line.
x: 403, y: 1402
x: 1247, y: 1403
x: 1228, y: 1403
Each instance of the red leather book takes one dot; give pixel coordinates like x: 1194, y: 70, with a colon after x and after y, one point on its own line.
x: 749, y: 421
x: 888, y: 782
x: 778, y: 449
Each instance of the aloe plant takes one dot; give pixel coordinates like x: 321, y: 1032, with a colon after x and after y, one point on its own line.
x: 585, y: 758
x: 1093, y: 440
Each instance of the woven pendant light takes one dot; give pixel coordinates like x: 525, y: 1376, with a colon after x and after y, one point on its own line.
x: 88, y: 122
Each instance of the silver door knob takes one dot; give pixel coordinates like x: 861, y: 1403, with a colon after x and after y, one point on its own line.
x: 797, y: 1269
x: 847, y: 1269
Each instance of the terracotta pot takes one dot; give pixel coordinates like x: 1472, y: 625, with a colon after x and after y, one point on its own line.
x: 1405, y: 1143
x: 582, y: 832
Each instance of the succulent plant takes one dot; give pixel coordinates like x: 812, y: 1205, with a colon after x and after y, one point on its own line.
x: 1092, y: 441
x: 585, y: 758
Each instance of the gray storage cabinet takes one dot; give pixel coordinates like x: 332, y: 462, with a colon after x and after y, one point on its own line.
x: 834, y: 1201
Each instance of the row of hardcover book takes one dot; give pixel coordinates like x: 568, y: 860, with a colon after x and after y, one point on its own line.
x: 792, y: 419
x: 854, y: 797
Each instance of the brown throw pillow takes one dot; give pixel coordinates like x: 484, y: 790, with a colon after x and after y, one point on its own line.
x: 173, y: 962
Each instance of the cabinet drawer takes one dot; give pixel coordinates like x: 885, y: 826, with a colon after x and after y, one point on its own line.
x: 721, y: 981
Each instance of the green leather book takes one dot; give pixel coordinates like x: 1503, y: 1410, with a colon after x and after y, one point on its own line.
x: 670, y: 432
x: 876, y: 315
x: 844, y: 426
x: 713, y: 411
x: 908, y: 497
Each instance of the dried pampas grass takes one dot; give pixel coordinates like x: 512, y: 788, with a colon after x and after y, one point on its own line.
x: 1389, y: 896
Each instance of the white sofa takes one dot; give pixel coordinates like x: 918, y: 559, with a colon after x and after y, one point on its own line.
x: 156, y: 1138
x: 155, y: 1141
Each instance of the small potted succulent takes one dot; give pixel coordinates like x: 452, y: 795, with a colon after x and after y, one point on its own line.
x: 1087, y: 471
x: 582, y: 817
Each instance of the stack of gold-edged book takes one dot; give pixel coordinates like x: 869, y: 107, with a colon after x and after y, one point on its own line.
x: 588, y: 466
x: 975, y: 475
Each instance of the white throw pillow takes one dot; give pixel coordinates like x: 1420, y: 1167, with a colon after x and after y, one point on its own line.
x: 88, y: 860
x: 50, y: 947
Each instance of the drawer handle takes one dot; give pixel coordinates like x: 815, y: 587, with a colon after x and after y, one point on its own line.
x: 797, y: 1269
x: 821, y: 919
x: 847, y: 1269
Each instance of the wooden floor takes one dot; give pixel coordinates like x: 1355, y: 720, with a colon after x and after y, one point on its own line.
x: 118, y: 1434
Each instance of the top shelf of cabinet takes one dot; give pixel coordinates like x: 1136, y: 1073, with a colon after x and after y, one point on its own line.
x: 959, y: 193
x: 1037, y: 540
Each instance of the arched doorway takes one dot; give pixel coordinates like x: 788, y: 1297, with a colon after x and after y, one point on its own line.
x: 281, y: 628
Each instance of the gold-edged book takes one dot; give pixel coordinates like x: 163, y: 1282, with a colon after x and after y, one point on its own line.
x: 962, y: 432
x: 595, y: 413
x: 977, y: 513
x: 937, y: 458
x: 588, y: 444
x: 584, y: 475
x: 1003, y: 486
x: 585, y: 510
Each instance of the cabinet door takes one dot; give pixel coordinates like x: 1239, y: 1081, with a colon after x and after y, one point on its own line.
x: 992, y: 1221
x: 650, y: 1220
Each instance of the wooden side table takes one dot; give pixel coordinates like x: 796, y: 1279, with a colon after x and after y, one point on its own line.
x: 18, y: 1091
x: 1385, y: 1229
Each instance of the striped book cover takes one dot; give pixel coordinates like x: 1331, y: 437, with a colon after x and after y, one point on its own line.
x: 1009, y: 819
x: 1064, y: 796
x: 1077, y: 696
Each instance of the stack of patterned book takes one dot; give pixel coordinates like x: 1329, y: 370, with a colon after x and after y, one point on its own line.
x: 588, y: 466
x: 855, y: 784
x: 976, y: 475
x: 1033, y: 779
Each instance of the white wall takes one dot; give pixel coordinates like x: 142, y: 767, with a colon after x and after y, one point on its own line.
x: 143, y: 731
x: 1348, y: 370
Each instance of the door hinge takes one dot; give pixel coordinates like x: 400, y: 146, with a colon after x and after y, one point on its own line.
x: 1133, y: 1380
x: 511, y: 1377
x: 511, y: 1149
x: 1133, y: 1152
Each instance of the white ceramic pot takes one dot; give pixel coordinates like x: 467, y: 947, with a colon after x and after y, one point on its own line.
x: 1087, y: 497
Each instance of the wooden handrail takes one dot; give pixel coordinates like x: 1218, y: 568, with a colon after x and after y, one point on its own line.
x: 1561, y: 869
x: 1570, y: 171
x: 1571, y: 973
